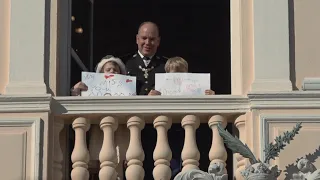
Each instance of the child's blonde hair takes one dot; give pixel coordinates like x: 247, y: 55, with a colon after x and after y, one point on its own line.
x: 178, y: 64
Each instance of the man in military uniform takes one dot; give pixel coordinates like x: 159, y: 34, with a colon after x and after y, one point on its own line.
x: 145, y: 63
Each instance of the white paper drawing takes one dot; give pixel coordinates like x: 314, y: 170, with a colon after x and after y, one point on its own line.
x: 101, y: 84
x: 182, y: 83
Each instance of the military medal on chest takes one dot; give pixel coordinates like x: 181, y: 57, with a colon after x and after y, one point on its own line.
x: 146, y: 71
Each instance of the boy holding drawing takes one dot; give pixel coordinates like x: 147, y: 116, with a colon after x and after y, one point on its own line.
x: 177, y: 65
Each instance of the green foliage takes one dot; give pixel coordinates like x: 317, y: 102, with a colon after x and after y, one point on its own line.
x: 272, y: 150
x: 236, y: 145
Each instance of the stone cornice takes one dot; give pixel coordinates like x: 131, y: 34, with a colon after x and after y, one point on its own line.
x: 285, y: 100
x: 25, y: 103
x: 151, y: 104
x: 226, y: 104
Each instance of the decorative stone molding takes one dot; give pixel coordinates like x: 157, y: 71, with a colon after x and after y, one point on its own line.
x: 174, y: 104
x: 311, y: 84
x: 25, y: 103
x: 267, y: 119
x: 271, y: 85
x: 36, y: 146
x: 306, y: 171
x: 261, y: 171
x: 215, y: 172
x: 154, y: 104
x: 151, y: 105
x: 285, y: 100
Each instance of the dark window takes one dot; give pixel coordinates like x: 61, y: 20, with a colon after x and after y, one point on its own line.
x: 198, y: 31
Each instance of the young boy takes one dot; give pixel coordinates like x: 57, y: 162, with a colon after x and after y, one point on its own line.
x: 177, y: 65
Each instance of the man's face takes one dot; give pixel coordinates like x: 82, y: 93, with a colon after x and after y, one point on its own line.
x: 148, y: 40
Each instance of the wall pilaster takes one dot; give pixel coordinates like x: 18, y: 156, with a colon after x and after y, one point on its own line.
x: 271, y: 46
x: 29, y: 47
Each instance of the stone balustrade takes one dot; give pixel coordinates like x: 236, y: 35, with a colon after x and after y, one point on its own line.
x: 135, y: 113
x: 108, y: 137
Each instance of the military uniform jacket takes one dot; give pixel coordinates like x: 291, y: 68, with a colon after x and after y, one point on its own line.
x: 145, y: 75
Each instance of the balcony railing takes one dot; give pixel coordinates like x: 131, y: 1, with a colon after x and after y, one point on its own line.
x: 123, y: 118
x: 109, y: 113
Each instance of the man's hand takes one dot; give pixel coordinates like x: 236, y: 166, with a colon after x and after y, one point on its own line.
x: 154, y: 93
x: 209, y: 92
x: 76, y: 90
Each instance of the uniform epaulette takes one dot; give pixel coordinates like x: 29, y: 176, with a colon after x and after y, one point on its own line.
x: 162, y: 57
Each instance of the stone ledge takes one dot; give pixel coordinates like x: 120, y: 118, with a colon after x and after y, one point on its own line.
x: 25, y: 103
x: 285, y: 100
x: 151, y: 104
x: 311, y: 84
x: 217, y: 104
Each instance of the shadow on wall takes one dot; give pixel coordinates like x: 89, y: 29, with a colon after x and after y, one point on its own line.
x: 292, y: 168
x: 292, y: 45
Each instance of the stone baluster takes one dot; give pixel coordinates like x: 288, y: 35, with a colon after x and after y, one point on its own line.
x: 218, y: 154
x: 80, y: 153
x: 108, y: 154
x: 135, y: 154
x: 190, y: 154
x: 162, y: 153
x: 58, y: 156
x: 241, y: 161
x: 94, y: 146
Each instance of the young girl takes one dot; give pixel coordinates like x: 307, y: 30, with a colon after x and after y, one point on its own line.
x: 177, y: 65
x: 108, y: 64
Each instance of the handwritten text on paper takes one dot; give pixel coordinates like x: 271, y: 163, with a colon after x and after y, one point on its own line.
x: 182, y: 83
x: 100, y: 84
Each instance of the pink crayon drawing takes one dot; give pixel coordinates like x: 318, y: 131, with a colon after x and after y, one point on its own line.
x: 108, y: 76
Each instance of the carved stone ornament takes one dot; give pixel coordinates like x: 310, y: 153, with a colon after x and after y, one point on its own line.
x: 261, y: 171
x: 307, y: 171
x: 215, y: 172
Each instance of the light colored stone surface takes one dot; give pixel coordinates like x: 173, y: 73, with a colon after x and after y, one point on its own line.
x: 306, y: 51
x: 260, y: 54
x: 21, y: 151
x: 4, y: 43
x: 29, y: 42
x: 215, y: 172
x: 271, y: 46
